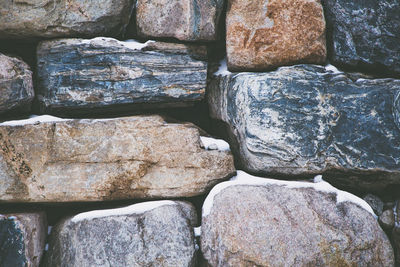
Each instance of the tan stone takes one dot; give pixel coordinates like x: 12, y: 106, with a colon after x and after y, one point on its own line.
x: 263, y: 34
x: 91, y: 160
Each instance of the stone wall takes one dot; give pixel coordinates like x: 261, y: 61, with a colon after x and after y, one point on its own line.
x: 199, y: 133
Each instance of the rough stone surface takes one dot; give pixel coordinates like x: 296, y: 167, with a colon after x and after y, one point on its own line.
x: 264, y: 34
x: 50, y: 18
x: 16, y: 87
x: 186, y: 20
x: 305, y: 120
x: 162, y: 236
x: 22, y: 239
x: 79, y: 75
x: 91, y: 160
x: 364, y: 33
x: 386, y: 220
x: 272, y: 225
x: 396, y: 232
x: 375, y: 202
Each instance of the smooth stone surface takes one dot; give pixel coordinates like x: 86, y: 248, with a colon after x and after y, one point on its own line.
x: 264, y: 34
x: 386, y: 220
x: 22, y: 239
x: 77, y: 76
x: 16, y: 87
x: 306, y: 120
x: 364, y: 34
x: 94, y: 160
x: 274, y: 225
x: 186, y: 20
x: 63, y: 18
x: 162, y: 236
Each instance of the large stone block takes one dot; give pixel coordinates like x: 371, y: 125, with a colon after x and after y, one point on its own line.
x: 264, y: 34
x: 186, y: 20
x: 158, y: 233
x: 22, y: 239
x: 76, y: 75
x: 93, y: 160
x: 62, y: 18
x: 364, y: 34
x: 264, y: 222
x: 16, y: 87
x: 306, y: 119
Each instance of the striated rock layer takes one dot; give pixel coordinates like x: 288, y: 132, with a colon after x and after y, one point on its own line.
x: 155, y: 233
x: 77, y: 75
x: 264, y: 34
x: 16, y: 87
x: 63, y: 18
x: 92, y: 160
x: 365, y: 34
x: 305, y: 120
x: 186, y: 20
x: 265, y: 222
x: 22, y: 239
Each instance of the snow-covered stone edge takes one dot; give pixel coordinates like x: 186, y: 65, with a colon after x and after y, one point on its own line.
x: 243, y: 178
x: 210, y: 143
x: 138, y: 208
x: 33, y: 120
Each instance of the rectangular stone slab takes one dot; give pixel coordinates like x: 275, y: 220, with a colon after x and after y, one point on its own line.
x: 94, y: 160
x: 306, y: 120
x: 77, y: 75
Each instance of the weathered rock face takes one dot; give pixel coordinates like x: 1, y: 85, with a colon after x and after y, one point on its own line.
x: 186, y: 20
x: 146, y: 234
x: 364, y: 33
x: 264, y: 34
x: 89, y: 160
x: 22, y: 239
x: 276, y: 225
x: 76, y: 75
x: 305, y: 120
x: 16, y: 88
x: 37, y: 18
x: 396, y: 231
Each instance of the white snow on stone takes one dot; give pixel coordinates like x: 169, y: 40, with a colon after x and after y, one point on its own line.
x: 214, y: 144
x: 135, y: 45
x: 332, y: 69
x: 197, y: 231
x: 46, y: 247
x: 49, y: 229
x: 396, y: 218
x: 33, y: 120
x: 132, y: 209
x: 223, y: 69
x: 243, y: 178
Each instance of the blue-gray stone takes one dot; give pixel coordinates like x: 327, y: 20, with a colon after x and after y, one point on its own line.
x: 22, y: 239
x: 76, y: 75
x: 364, y: 34
x: 306, y: 120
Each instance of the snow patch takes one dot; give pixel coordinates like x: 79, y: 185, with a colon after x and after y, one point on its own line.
x: 214, y: 144
x: 49, y: 228
x: 197, y: 231
x: 396, y: 216
x: 223, y: 69
x: 243, y: 178
x: 332, y: 68
x: 33, y: 120
x: 46, y: 247
x: 136, y: 45
x: 132, y: 209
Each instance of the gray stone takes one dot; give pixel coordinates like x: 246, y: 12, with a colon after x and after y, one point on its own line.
x: 77, y: 75
x: 22, y: 239
x: 375, y: 202
x: 94, y: 160
x: 364, y: 33
x: 386, y: 220
x: 64, y: 18
x: 277, y: 225
x: 16, y: 87
x: 306, y: 120
x: 158, y: 233
x: 186, y: 20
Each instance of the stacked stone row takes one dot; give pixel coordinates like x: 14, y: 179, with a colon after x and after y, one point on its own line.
x: 286, y: 108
